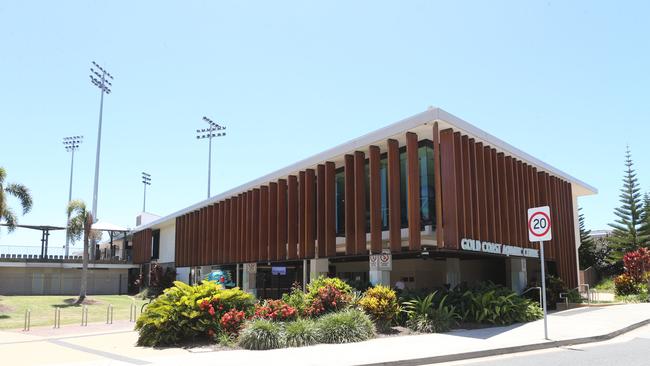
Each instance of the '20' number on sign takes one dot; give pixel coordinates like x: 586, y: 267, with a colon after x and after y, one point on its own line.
x: 540, y: 223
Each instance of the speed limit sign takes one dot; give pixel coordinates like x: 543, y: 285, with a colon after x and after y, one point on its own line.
x: 539, y: 224
x: 539, y: 230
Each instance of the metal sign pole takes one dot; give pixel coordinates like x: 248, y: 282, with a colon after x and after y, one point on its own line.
x: 541, y: 256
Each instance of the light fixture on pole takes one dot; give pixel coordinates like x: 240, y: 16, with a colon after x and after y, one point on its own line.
x: 146, y: 181
x: 101, y: 79
x: 209, y: 133
x: 71, y: 145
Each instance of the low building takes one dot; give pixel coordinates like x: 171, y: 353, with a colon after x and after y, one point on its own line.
x: 426, y: 202
x: 51, y: 270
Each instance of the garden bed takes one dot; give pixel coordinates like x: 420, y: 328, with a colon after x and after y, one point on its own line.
x: 330, y: 311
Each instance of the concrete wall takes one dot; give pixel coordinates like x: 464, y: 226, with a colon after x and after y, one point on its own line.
x: 418, y: 273
x: 61, y: 281
x: 167, y: 243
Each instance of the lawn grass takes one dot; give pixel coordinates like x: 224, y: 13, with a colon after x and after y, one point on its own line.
x: 12, y: 309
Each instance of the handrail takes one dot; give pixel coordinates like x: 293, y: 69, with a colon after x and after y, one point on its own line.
x: 588, y: 292
x: 565, y: 296
x: 535, y: 288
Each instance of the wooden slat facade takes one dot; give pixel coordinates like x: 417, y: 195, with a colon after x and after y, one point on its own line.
x: 480, y: 193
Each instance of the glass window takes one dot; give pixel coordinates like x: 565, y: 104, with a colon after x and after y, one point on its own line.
x: 427, y: 188
x: 340, y: 202
x: 383, y: 176
x: 403, y: 187
x: 366, y: 172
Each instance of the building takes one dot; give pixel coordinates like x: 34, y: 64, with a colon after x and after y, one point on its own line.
x: 49, y: 270
x: 428, y: 201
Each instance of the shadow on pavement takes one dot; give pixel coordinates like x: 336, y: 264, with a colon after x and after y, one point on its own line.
x: 483, y: 333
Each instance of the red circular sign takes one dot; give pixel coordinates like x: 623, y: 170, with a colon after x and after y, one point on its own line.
x: 548, y: 227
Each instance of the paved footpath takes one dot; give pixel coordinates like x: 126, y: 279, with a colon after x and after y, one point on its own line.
x: 114, y: 344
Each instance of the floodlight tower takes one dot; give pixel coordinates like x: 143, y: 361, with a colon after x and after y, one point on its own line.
x: 71, y: 144
x: 146, y: 181
x: 209, y: 133
x: 101, y: 79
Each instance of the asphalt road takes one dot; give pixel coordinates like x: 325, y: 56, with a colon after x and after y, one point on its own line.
x: 632, y: 349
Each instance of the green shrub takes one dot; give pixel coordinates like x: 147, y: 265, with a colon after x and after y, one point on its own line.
x: 426, y: 317
x: 260, y: 334
x: 489, y: 307
x: 299, y: 333
x: 380, y: 302
x: 605, y: 285
x: 225, y: 340
x: 533, y: 312
x: 328, y: 299
x: 490, y: 303
x: 346, y: 326
x: 296, y: 298
x: 184, y: 312
x: 321, y: 282
x: 626, y: 285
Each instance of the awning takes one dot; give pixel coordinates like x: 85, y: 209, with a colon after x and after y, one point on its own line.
x: 107, y: 226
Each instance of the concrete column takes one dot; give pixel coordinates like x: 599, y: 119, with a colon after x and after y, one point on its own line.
x: 237, y: 281
x: 318, y: 267
x: 452, y: 272
x: 378, y: 277
x: 518, y: 274
x: 305, y: 274
x: 249, y: 283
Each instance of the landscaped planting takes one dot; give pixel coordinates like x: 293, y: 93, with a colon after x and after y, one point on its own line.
x: 633, y: 284
x: 346, y: 326
x: 380, y: 302
x: 186, y: 313
x: 329, y: 312
x: 261, y: 334
x: 276, y: 310
x: 425, y: 316
x: 484, y: 303
x: 299, y: 333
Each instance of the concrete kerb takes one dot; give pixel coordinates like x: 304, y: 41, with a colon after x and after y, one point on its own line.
x: 509, y: 350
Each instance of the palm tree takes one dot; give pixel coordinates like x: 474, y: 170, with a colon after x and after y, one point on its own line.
x: 17, y: 190
x: 79, y: 226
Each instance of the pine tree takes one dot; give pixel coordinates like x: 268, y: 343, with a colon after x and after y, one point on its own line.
x: 645, y: 220
x: 626, y: 235
x: 587, y: 249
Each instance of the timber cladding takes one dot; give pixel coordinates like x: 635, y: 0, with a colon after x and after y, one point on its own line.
x: 142, y: 246
x: 486, y: 195
x: 481, y: 194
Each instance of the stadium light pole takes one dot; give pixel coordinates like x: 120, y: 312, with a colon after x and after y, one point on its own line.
x: 102, y: 80
x: 146, y: 181
x: 71, y: 144
x: 209, y: 133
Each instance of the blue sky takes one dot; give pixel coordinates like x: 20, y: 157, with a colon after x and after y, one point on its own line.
x: 565, y: 81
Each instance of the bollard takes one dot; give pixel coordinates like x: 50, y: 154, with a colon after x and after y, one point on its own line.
x: 57, y: 318
x: 84, y: 315
x: 109, y: 314
x: 28, y: 320
x: 133, y: 313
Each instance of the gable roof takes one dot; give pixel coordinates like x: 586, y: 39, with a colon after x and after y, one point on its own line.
x: 420, y: 123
